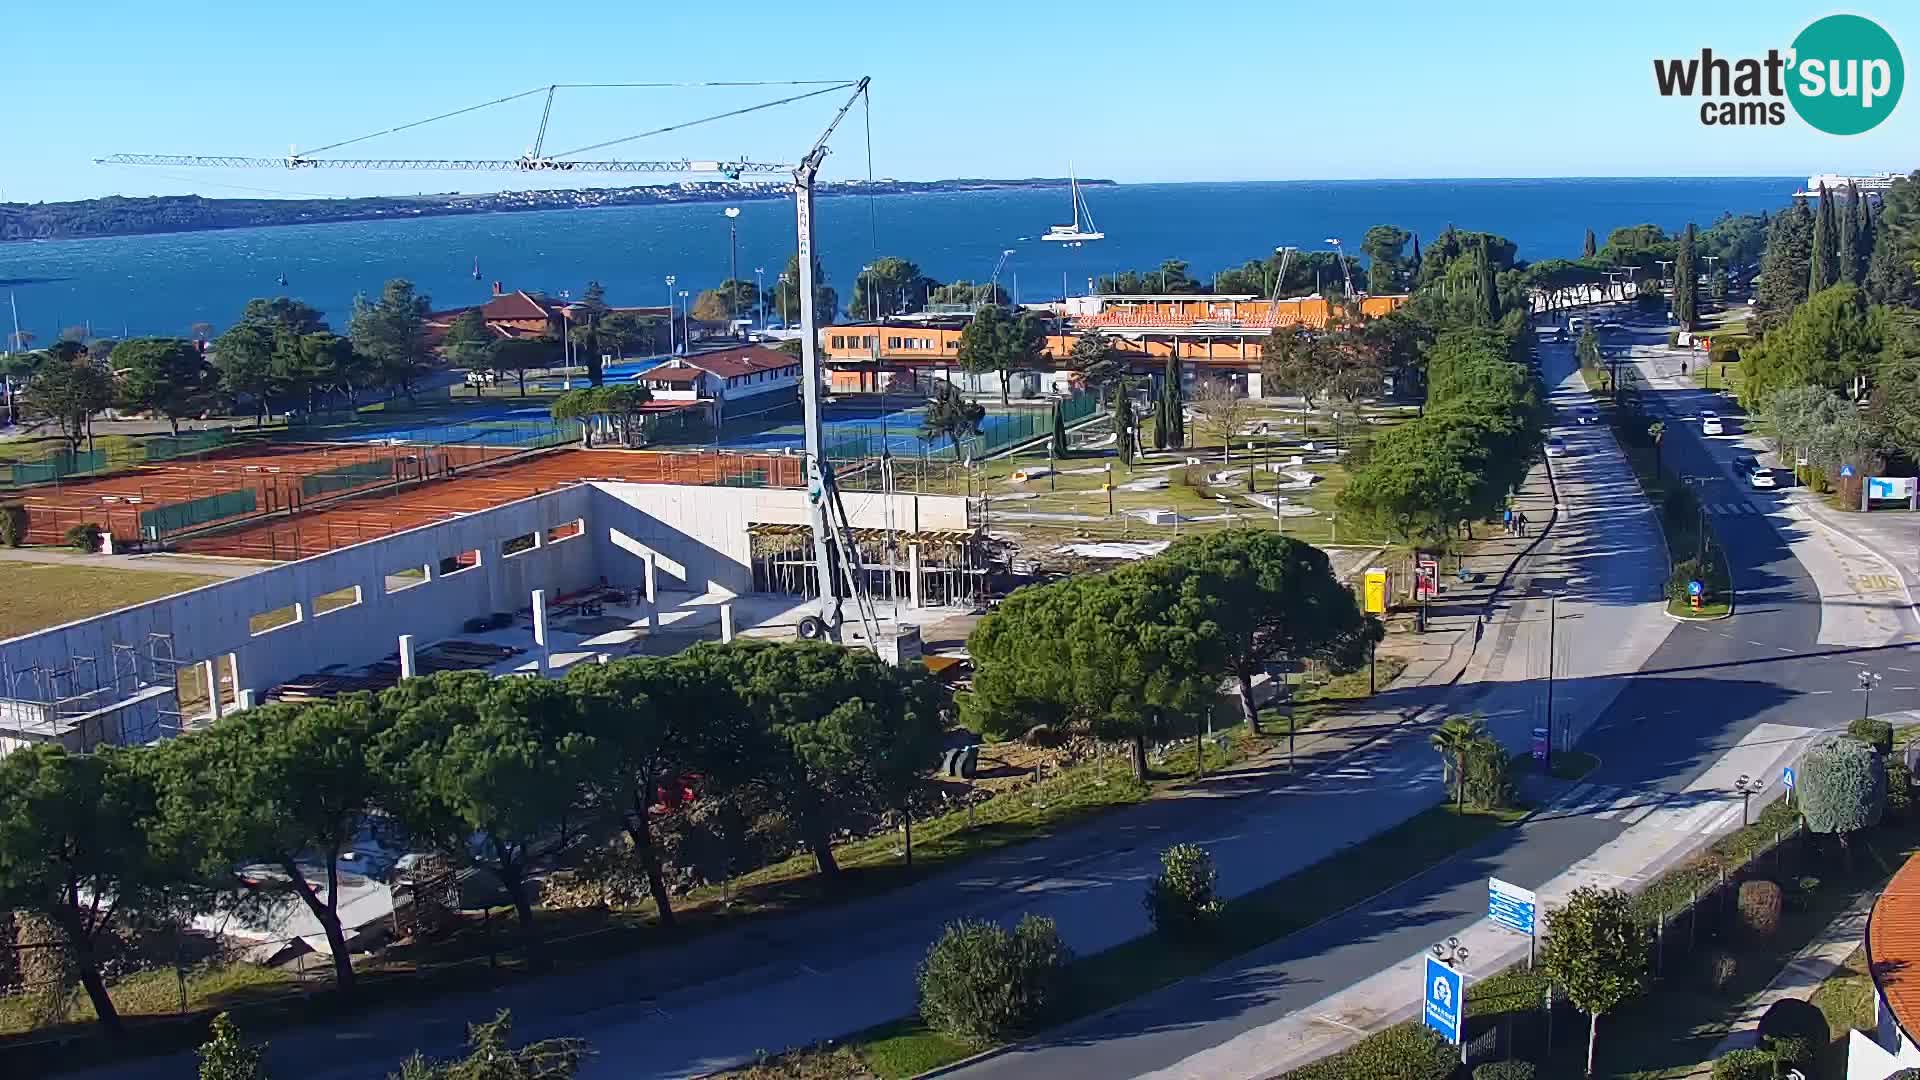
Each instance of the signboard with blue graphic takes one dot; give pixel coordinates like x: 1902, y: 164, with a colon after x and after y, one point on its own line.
x: 1695, y: 588
x: 1511, y: 906
x: 1889, y: 487
x: 1443, y: 994
x: 1786, y: 777
x: 1846, y: 471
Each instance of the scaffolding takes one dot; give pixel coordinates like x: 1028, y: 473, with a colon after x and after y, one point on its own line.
x: 83, y: 706
x: 952, y: 564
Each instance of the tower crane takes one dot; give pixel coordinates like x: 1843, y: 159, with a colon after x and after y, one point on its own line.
x: 838, y: 569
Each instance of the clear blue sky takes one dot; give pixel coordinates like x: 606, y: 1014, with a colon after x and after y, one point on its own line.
x: 1134, y: 91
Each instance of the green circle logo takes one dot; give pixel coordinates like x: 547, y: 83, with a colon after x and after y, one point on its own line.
x: 1846, y: 76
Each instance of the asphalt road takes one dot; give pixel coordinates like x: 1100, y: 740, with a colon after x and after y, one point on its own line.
x: 1703, y: 689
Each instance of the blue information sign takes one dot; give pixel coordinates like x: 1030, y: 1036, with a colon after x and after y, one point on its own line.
x: 1694, y: 588
x: 1786, y: 777
x: 1443, y: 994
x: 1510, y: 906
x: 1846, y: 470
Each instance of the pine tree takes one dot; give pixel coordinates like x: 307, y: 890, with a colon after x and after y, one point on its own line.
x: 1784, y: 265
x: 1589, y: 249
x: 1685, y: 282
x: 1820, y: 260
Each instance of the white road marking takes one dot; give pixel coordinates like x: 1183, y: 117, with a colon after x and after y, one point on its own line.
x: 1818, y: 692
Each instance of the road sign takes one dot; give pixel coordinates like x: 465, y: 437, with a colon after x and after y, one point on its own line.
x: 1443, y: 992
x: 1846, y: 472
x: 1539, y: 744
x: 1786, y: 777
x: 1511, y: 906
x: 1694, y: 588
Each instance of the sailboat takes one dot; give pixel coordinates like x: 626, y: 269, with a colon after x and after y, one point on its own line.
x: 476, y: 268
x: 1074, y: 234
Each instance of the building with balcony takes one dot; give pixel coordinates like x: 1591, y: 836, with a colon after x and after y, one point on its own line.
x: 729, y: 384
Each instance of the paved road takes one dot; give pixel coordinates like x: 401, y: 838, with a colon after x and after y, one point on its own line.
x: 1701, y: 692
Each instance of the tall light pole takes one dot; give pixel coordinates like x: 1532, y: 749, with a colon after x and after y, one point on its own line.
x: 993, y: 283
x: 760, y: 294
x: 1346, y: 272
x: 1867, y: 681
x: 733, y: 266
x: 686, y: 330
x: 670, y: 281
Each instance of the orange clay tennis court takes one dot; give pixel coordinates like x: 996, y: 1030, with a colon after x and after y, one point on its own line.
x: 273, y: 473
x: 369, y: 517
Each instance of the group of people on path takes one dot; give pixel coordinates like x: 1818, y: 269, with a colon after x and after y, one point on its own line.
x: 1515, y: 521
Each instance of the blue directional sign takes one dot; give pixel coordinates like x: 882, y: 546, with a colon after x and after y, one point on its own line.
x: 1786, y: 777
x: 1511, y: 906
x: 1846, y: 471
x: 1443, y: 993
x: 1694, y: 588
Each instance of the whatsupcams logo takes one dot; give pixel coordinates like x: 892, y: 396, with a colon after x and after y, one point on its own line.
x: 1842, y: 75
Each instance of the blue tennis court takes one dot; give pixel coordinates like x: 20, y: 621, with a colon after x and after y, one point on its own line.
x: 866, y: 431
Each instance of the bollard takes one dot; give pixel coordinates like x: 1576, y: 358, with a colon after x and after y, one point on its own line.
x: 726, y: 621
x: 540, y: 629
x: 406, y: 656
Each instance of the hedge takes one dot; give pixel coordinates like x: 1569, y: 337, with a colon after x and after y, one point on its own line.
x: 1402, y: 1052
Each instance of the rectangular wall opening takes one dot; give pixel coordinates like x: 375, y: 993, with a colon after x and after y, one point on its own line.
x: 269, y: 621
x: 516, y: 544
x: 405, y: 578
x: 566, y: 530
x: 460, y: 563
x: 336, y: 600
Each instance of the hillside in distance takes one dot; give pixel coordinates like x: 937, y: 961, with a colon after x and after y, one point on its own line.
x: 127, y: 216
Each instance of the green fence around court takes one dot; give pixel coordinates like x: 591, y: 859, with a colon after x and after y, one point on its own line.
x: 168, y: 447
x: 999, y: 430
x: 57, y: 465
x: 345, y: 477
x: 171, y: 519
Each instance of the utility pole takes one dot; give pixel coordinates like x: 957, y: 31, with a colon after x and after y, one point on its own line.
x: 1553, y: 625
x: 733, y: 266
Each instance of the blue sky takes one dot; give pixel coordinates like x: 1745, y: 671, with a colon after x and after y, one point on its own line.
x: 1138, y: 92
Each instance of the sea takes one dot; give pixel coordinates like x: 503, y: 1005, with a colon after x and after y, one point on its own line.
x: 165, y: 284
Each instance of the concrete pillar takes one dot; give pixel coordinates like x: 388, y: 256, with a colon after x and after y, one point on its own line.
x: 649, y: 616
x: 726, y: 621
x: 243, y: 701
x: 210, y: 671
x: 406, y: 656
x: 652, y: 562
x: 914, y: 590
x: 540, y: 628
x: 233, y: 674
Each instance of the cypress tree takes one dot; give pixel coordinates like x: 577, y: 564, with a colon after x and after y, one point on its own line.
x: 1685, y: 279
x: 1123, y: 428
x: 1488, y: 301
x: 1059, y: 432
x: 1821, y: 259
x: 1413, y: 267
x: 1589, y: 249
x: 1847, y: 240
x: 1175, y: 422
x: 1161, y: 426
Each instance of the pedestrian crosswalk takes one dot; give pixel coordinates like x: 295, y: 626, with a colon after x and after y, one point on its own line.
x: 1732, y: 509
x: 1693, y: 812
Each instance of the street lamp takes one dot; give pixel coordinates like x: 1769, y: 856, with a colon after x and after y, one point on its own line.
x: 760, y: 293
x: 1746, y: 787
x: 1868, y: 680
x: 686, y: 331
x: 670, y: 280
x: 733, y: 265
x: 1453, y: 954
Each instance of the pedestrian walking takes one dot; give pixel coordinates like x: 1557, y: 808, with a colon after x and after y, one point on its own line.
x: 1506, y: 520
x: 1520, y: 524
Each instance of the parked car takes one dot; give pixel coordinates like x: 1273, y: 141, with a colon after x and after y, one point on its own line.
x: 1710, y: 423
x: 1556, y: 446
x: 1755, y: 474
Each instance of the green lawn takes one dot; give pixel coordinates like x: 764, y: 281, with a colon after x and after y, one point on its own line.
x: 39, y: 595
x: 1846, y: 999
x: 1127, y: 971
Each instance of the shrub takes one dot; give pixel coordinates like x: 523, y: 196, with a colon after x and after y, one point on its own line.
x: 1402, y: 1052
x: 1759, y: 905
x: 1875, y: 733
x: 1490, y: 769
x: 225, y: 1057
x: 1181, y: 899
x: 1790, y: 1050
x: 1673, y: 339
x: 1899, y: 789
x: 983, y: 984
x: 1802, y: 895
x: 84, y: 537
x: 1717, y: 968
x: 1795, y: 1019
x: 1504, y: 1070
x: 13, y: 525
x: 1708, y: 572
x: 1744, y: 1065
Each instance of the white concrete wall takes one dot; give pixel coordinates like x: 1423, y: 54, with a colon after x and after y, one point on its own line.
x: 698, y: 535
x: 1868, y: 1056
x: 212, y: 621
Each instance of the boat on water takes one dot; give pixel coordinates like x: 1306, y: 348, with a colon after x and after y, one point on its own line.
x: 1074, y: 234
x: 1875, y: 184
x: 476, y: 268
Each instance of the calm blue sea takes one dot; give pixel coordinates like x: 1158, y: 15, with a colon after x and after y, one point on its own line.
x: 165, y: 284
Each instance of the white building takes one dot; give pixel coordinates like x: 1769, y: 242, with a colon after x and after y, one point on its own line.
x: 733, y: 383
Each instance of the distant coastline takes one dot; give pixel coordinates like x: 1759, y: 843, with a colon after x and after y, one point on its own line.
x: 123, y: 216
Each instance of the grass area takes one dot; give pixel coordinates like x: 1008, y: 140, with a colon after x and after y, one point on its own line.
x: 1572, y: 764
x: 1314, y: 702
x: 157, y: 993
x: 1127, y: 971
x: 1846, y: 1000
x: 40, y: 595
x: 1712, y: 610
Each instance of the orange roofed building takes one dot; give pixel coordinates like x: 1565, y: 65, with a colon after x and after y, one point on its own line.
x: 1215, y: 336
x: 1893, y: 961
x: 522, y: 314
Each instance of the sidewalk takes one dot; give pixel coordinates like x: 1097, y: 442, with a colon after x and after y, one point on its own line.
x: 1810, y: 967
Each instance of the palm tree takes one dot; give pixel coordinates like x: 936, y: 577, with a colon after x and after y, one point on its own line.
x: 1455, y: 739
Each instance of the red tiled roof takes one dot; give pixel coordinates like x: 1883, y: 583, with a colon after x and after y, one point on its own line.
x: 1893, y: 945
x: 516, y: 305
x: 732, y: 363
x: 672, y: 375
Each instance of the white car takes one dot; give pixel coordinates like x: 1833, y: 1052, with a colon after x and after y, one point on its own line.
x: 1556, y: 446
x: 1756, y: 475
x: 1710, y: 423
